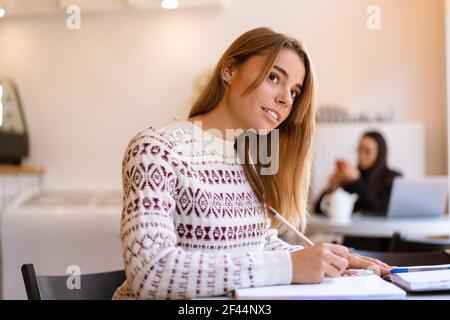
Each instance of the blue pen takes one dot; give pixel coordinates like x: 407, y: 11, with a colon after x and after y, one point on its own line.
x: 420, y: 268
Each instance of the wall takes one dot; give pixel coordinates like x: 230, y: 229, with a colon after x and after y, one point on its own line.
x: 447, y: 62
x: 87, y: 92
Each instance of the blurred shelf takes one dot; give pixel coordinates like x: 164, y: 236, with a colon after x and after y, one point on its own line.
x: 16, y: 8
x: 18, y: 170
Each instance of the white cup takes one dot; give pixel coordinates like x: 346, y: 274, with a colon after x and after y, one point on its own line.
x: 338, y: 205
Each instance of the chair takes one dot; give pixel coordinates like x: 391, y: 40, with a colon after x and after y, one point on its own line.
x: 400, y: 244
x: 408, y: 258
x: 94, y: 286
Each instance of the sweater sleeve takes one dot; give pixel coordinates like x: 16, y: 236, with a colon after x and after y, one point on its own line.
x: 156, y: 268
x: 274, y: 243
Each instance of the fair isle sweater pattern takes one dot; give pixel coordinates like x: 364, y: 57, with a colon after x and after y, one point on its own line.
x: 191, y: 225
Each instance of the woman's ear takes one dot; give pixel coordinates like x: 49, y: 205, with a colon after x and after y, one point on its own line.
x: 228, y: 70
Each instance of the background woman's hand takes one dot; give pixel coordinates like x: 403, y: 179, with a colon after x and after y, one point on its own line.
x: 347, y: 172
x: 344, y: 173
x: 313, y: 264
x: 334, y: 182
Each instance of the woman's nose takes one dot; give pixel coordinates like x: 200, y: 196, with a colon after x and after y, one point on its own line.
x: 284, y: 99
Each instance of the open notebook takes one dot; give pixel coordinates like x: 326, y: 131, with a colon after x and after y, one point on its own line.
x: 356, y: 287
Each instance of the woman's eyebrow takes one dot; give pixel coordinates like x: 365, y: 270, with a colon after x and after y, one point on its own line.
x: 285, y: 74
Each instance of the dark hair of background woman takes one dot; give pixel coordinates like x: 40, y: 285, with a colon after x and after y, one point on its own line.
x: 380, y: 165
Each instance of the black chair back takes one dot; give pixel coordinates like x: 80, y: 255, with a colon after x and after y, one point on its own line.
x: 94, y: 286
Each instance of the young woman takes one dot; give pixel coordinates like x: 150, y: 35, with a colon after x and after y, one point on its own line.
x: 193, y: 222
x: 371, y: 180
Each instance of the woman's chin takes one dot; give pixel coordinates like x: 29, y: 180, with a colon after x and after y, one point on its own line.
x: 264, y: 127
x: 261, y: 127
x: 364, y: 166
x: 265, y: 131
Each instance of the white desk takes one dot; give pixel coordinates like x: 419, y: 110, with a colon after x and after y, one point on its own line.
x: 380, y: 226
x: 434, y: 296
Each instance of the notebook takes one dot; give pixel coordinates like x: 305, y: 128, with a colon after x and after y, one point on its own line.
x: 355, y: 287
x: 423, y: 280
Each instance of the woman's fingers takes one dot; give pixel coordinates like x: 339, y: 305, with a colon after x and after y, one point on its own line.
x: 357, y: 261
x: 381, y: 263
x: 338, y: 262
x: 362, y: 262
x: 332, y: 271
x: 349, y: 273
x: 337, y: 259
x: 373, y: 260
x: 339, y: 250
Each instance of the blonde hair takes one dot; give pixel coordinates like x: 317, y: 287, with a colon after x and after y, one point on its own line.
x: 287, y: 190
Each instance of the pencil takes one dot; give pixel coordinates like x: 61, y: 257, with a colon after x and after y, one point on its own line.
x: 420, y: 268
x: 287, y: 224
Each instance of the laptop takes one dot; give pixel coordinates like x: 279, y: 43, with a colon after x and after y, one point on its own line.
x: 425, y: 197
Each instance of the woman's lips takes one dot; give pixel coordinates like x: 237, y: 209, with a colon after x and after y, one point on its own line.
x: 271, y: 114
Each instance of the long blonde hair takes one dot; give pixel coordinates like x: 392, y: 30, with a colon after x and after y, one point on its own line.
x: 287, y: 190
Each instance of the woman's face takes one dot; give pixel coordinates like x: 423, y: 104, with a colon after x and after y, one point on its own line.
x: 367, y: 153
x: 269, y: 104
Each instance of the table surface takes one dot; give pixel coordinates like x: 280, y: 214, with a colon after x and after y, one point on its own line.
x: 381, y: 226
x: 445, y: 295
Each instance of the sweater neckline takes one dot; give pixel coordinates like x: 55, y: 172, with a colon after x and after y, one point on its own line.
x: 208, y: 135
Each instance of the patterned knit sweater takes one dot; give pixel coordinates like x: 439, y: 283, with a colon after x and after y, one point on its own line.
x: 191, y: 225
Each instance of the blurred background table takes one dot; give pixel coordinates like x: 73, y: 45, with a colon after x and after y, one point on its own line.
x: 376, y: 233
x: 381, y: 227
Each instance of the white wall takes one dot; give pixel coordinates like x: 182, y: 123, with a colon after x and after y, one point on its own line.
x: 447, y: 60
x: 87, y: 92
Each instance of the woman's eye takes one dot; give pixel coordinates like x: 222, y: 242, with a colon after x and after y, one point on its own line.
x: 294, y: 94
x: 273, y: 77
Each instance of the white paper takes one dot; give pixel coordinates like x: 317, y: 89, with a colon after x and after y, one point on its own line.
x: 362, y: 287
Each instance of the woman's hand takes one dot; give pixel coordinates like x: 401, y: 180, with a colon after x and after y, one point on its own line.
x: 344, y: 173
x: 347, y: 173
x: 313, y: 264
x: 357, y: 261
x: 334, y: 182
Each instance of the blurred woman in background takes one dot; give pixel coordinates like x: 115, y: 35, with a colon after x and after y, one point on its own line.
x: 371, y: 180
